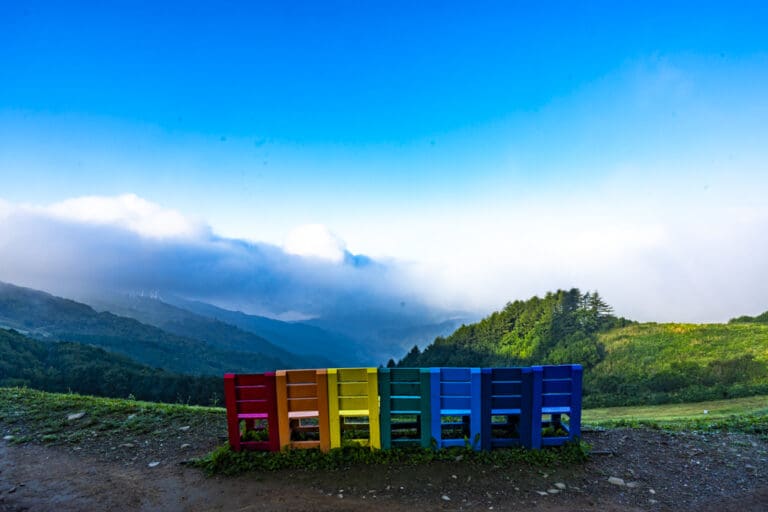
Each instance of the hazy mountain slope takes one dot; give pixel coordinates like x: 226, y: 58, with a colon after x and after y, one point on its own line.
x: 46, y: 317
x: 216, y: 333
x: 294, y: 336
x: 65, y: 366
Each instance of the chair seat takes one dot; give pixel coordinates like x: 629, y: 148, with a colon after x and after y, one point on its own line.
x: 303, y: 414
x: 505, y: 412
x: 455, y: 412
x: 555, y: 410
x: 354, y: 412
x: 253, y: 416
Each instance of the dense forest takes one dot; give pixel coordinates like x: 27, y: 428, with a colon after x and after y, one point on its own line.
x: 65, y: 366
x: 625, y: 362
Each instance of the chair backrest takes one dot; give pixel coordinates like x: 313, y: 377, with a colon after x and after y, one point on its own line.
x: 353, y: 392
x: 405, y: 392
x: 251, y: 397
x: 302, y: 394
x: 454, y: 389
x: 505, y: 389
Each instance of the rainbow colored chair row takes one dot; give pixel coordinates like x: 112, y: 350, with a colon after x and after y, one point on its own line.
x: 429, y: 407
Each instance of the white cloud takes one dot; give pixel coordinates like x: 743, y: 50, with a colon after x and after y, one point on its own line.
x: 128, y: 211
x: 315, y: 240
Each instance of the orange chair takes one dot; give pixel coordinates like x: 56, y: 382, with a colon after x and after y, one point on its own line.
x: 302, y: 409
x: 250, y: 398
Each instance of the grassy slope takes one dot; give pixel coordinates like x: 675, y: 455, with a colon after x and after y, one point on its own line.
x: 649, y: 347
x: 671, y: 413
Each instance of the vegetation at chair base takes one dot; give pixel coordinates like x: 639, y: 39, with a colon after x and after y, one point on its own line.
x: 225, y: 461
x: 64, y: 366
x: 625, y: 362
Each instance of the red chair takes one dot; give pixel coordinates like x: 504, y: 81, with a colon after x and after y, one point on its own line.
x: 250, y: 399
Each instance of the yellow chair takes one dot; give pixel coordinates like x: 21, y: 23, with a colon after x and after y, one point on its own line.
x: 353, y: 393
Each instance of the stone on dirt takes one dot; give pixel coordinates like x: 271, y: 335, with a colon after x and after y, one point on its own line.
x: 153, y: 464
x: 76, y: 416
x: 560, y: 485
x: 616, y: 481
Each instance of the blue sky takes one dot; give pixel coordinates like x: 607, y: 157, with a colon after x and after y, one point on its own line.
x: 495, y: 150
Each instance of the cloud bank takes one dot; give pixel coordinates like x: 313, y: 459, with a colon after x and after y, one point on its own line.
x: 91, y: 245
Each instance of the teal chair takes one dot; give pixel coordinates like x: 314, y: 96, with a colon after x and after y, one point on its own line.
x: 405, y: 407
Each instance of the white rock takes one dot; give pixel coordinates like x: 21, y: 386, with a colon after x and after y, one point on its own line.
x: 445, y: 498
x: 633, y: 485
x: 153, y: 464
x: 185, y: 446
x: 76, y: 416
x: 651, y: 491
x: 560, y: 485
x: 553, y: 491
x: 184, y: 428
x: 7, y: 438
x: 340, y: 496
x: 653, y: 502
x: 616, y: 481
x: 542, y: 493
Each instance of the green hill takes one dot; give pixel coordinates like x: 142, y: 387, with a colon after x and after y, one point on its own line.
x: 45, y: 317
x: 65, y: 366
x: 625, y: 363
x: 656, y: 363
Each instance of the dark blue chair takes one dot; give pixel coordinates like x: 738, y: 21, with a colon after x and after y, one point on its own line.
x: 507, y: 410
x: 556, y: 393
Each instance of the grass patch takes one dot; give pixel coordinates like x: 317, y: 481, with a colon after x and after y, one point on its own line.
x: 747, y: 415
x: 32, y: 415
x: 225, y: 461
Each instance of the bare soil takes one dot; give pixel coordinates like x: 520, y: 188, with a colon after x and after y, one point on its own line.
x: 661, y: 471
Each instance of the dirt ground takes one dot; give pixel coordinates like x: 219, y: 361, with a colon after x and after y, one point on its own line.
x: 660, y: 471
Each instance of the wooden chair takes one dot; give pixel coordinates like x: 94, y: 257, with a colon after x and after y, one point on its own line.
x: 405, y: 407
x: 556, y: 392
x: 250, y: 398
x: 302, y: 409
x: 507, y: 407
x: 455, y: 395
x: 353, y: 394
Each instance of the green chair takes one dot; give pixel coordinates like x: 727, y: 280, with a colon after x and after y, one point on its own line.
x: 405, y: 407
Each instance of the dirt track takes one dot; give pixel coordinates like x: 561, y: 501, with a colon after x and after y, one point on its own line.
x: 665, y: 472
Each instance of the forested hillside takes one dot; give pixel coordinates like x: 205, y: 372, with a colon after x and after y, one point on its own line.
x: 45, y: 317
x: 64, y: 366
x: 219, y: 334
x: 625, y: 362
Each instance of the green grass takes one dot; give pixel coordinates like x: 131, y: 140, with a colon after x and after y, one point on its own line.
x: 749, y: 415
x: 754, y: 405
x: 32, y: 415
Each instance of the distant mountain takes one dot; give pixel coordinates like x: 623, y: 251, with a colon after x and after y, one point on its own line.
x: 182, y: 322
x: 48, y: 318
x: 66, y: 366
x: 388, y: 334
x: 296, y: 337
